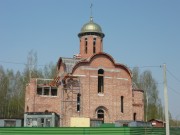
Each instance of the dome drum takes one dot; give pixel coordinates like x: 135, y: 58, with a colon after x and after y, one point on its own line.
x: 91, y: 33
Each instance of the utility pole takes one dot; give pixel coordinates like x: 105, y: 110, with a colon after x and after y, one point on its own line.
x: 146, y: 105
x: 166, y: 100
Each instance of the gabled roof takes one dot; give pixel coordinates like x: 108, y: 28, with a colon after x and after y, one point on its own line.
x: 69, y: 63
x: 156, y: 120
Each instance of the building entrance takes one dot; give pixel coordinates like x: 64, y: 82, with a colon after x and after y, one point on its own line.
x: 100, y: 114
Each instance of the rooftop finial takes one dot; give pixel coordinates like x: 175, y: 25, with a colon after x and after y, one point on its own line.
x: 91, y: 8
x: 91, y: 18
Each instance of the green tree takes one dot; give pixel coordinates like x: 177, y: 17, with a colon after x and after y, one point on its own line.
x: 13, y: 85
x: 19, y: 89
x: 3, y: 92
x: 152, y: 104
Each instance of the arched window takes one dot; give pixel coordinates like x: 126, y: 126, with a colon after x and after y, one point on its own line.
x: 46, y: 111
x: 86, y: 45
x: 78, y: 102
x: 100, y: 114
x: 94, y: 45
x: 122, y: 104
x: 134, y: 116
x: 100, y: 81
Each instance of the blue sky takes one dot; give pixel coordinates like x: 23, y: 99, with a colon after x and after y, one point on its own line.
x: 137, y: 33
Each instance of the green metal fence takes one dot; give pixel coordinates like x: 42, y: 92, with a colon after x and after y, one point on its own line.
x: 175, y: 131
x: 147, y: 131
x: 87, y: 131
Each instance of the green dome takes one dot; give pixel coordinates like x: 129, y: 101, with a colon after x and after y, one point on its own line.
x: 91, y: 28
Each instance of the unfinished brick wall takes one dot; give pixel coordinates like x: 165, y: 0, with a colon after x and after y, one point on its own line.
x: 138, y: 104
x: 117, y: 84
x: 40, y: 103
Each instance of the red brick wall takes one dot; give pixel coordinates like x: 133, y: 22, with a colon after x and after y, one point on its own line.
x: 138, y: 104
x: 90, y: 45
x: 40, y: 103
x: 117, y: 83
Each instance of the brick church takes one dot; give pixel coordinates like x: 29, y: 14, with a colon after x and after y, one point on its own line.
x: 88, y: 85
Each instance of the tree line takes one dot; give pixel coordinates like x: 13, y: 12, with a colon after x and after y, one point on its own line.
x: 13, y: 85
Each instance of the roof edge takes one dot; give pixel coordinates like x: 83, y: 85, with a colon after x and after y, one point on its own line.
x: 106, y: 54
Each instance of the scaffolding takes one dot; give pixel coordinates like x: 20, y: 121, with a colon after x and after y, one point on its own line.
x: 71, y: 102
x: 70, y: 92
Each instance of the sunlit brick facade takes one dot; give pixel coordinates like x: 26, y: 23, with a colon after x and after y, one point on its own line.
x: 91, y: 85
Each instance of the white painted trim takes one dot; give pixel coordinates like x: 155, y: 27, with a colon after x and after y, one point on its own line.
x: 88, y: 68
x: 107, y: 77
x: 101, y: 94
x: 80, y: 75
x: 96, y: 69
x: 122, y: 79
x: 112, y: 70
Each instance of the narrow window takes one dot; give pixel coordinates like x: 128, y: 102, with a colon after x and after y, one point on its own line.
x: 94, y: 45
x: 134, y: 116
x: 27, y: 108
x: 86, y: 44
x: 100, y: 81
x: 78, y: 102
x: 78, y: 108
x: 48, y: 122
x: 46, y: 90
x: 78, y: 98
x: 39, y: 91
x: 42, y: 122
x: 53, y: 91
x: 122, y: 104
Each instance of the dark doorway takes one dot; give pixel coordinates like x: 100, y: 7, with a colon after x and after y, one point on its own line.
x: 100, y: 114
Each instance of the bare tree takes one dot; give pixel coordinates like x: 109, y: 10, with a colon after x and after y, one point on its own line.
x: 152, y: 103
x: 13, y: 85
